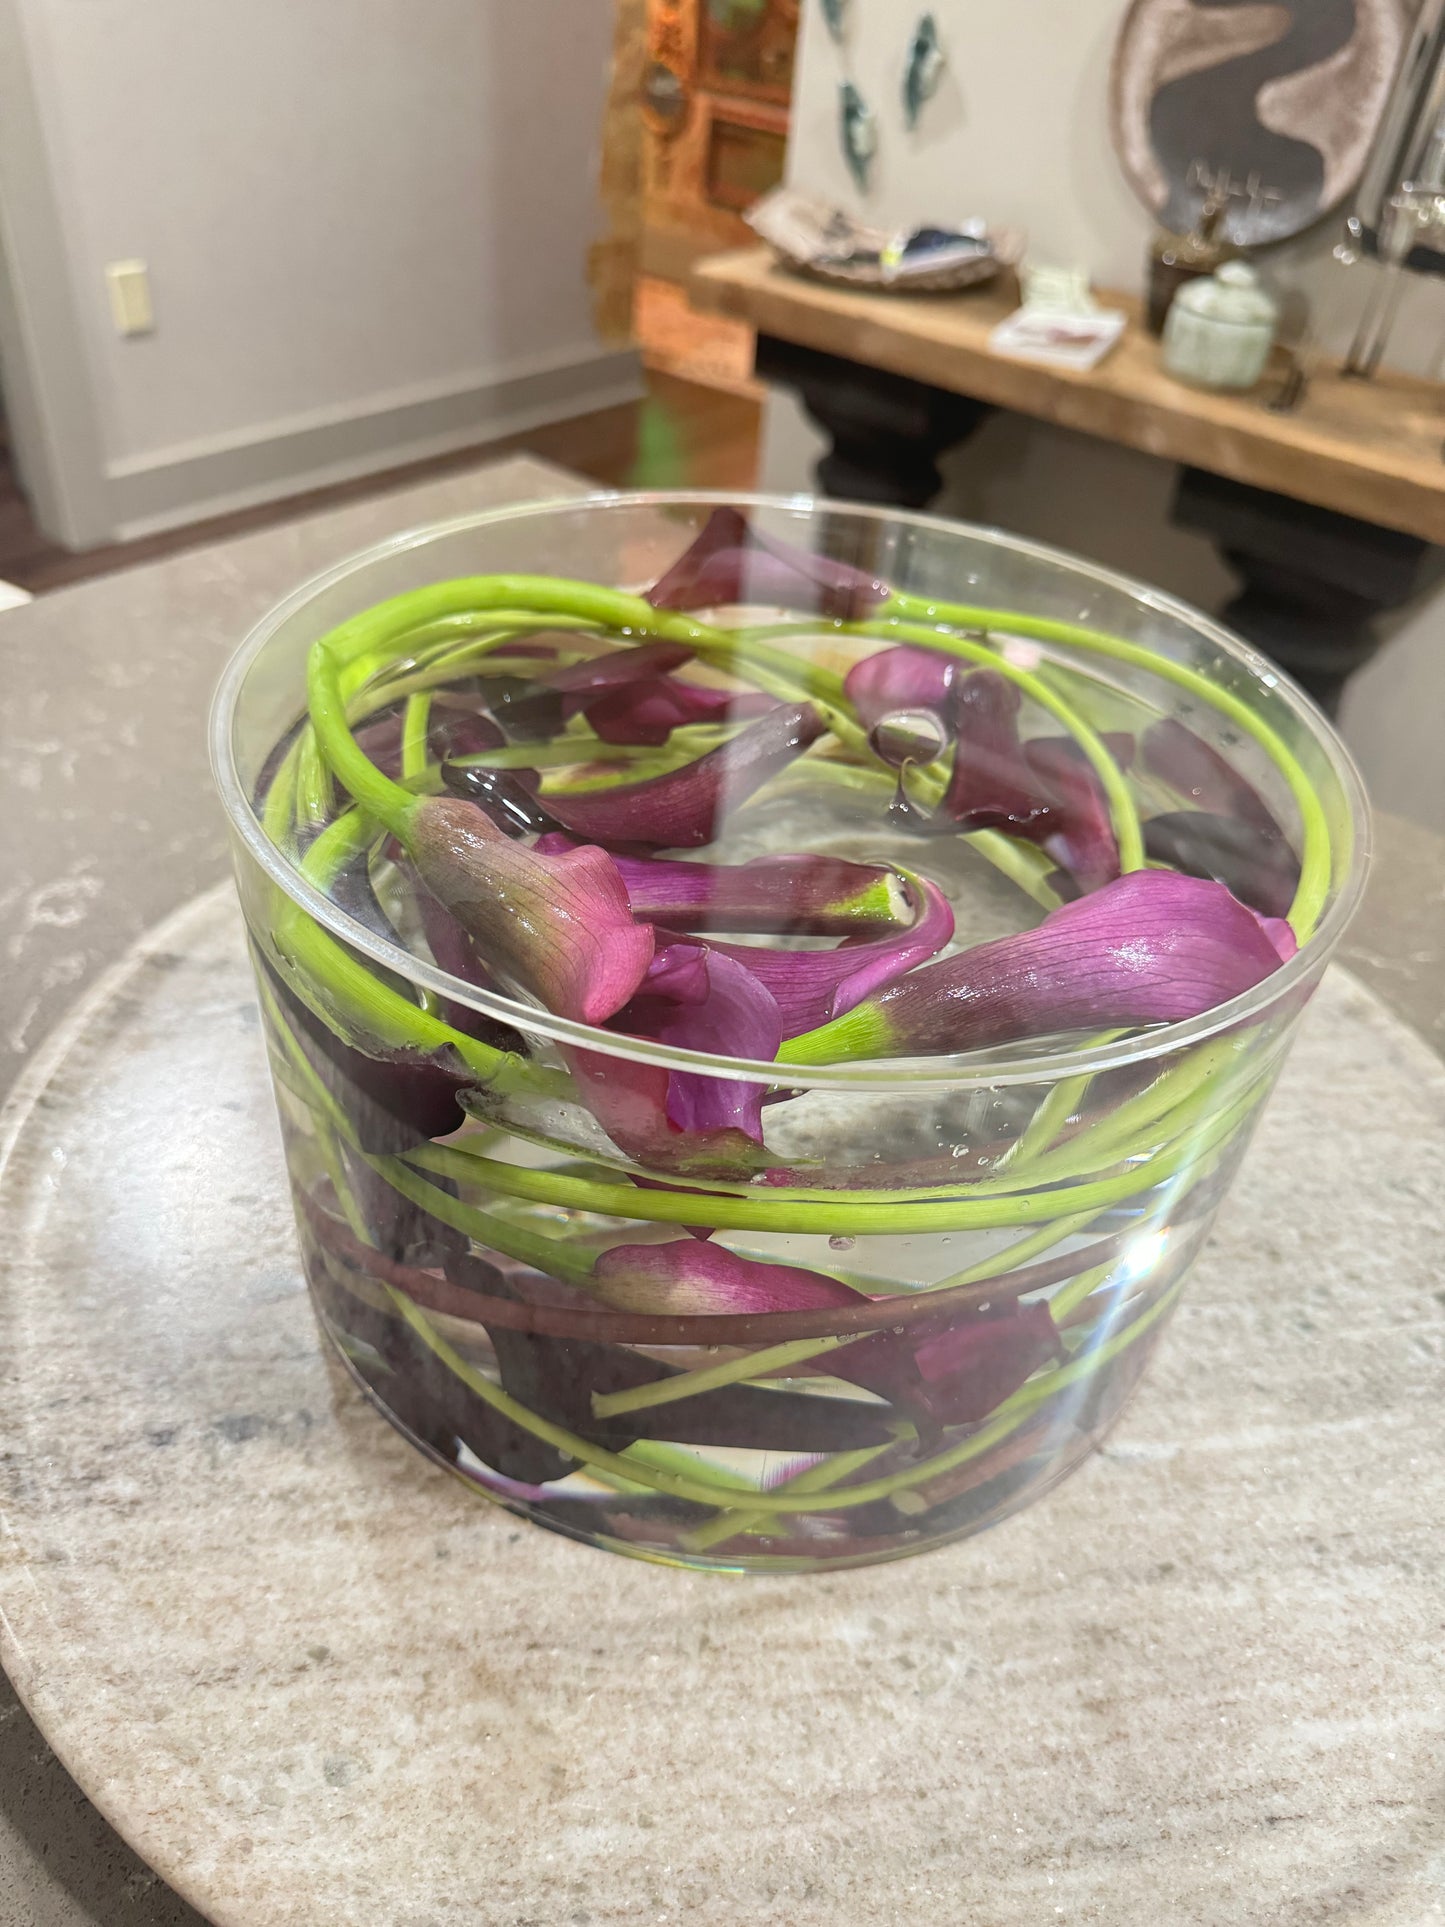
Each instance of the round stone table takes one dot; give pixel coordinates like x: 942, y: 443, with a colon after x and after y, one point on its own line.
x: 315, y: 1682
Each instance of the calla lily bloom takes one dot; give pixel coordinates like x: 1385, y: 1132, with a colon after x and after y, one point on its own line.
x: 810, y: 986
x: 1257, y: 865
x: 896, y: 681
x: 699, y: 998
x: 732, y: 562
x: 951, y: 1376
x: 811, y: 896
x: 1200, y: 774
x: 1149, y: 948
x: 558, y: 926
x: 683, y: 808
x: 814, y: 896
x: 991, y: 786
x: 1076, y: 829
x: 631, y: 696
x: 686, y: 1121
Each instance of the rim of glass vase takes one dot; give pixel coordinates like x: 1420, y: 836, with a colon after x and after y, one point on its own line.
x: 962, y: 1070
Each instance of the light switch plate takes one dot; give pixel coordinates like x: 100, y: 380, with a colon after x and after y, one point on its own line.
x: 130, y: 297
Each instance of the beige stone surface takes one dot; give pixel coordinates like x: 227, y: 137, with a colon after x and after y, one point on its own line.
x: 316, y: 1682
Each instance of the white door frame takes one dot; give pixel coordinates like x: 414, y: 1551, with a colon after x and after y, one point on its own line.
x: 46, y: 376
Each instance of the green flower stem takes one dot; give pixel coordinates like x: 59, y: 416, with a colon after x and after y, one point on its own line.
x: 752, y: 1365
x: 1066, y: 1097
x: 1019, y: 1253
x: 556, y: 1258
x: 1315, y: 862
x: 521, y: 601
x: 813, y: 1480
x: 416, y: 723
x: 1179, y: 1098
x: 1073, y: 1294
x: 832, y: 1213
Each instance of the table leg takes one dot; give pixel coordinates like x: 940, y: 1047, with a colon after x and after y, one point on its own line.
x: 887, y: 431
x: 1313, y: 581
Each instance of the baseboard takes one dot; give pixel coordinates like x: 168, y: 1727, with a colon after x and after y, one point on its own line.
x: 175, y: 486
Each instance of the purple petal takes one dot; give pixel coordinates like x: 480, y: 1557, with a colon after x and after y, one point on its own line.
x: 896, y: 681
x: 683, y: 808
x: 1149, y: 948
x: 629, y: 1099
x: 814, y: 896
x: 991, y: 787
x: 394, y: 1101
x: 616, y: 668
x: 731, y: 562
x: 1189, y: 765
x: 696, y: 998
x: 961, y: 1373
x: 1257, y: 865
x: 558, y: 926
x: 648, y: 712
x: 810, y: 986
x: 685, y: 1277
x: 1077, y: 832
x: 955, y: 1375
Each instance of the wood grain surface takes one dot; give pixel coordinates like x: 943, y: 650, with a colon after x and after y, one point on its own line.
x: 1370, y: 449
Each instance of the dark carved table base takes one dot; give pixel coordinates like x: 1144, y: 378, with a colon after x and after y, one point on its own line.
x: 887, y: 431
x: 1313, y: 581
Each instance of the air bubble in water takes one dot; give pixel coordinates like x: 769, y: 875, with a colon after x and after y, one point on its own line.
x: 841, y: 1244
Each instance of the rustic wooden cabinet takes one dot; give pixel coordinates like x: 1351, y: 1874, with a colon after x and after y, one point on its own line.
x: 716, y: 89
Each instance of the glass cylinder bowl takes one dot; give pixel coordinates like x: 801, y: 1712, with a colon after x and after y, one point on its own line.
x: 880, y: 1284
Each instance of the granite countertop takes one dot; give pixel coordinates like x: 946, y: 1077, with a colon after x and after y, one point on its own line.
x: 104, y: 765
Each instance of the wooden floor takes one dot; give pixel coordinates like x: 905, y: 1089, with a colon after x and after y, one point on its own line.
x: 681, y: 435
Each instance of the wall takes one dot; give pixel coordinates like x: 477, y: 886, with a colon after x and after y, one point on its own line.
x: 366, y: 223
x: 1018, y: 132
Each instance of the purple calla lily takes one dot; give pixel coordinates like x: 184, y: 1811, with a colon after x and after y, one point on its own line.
x: 559, y: 926
x: 1258, y: 866
x: 991, y: 786
x: 1149, y: 948
x: 686, y: 1122
x: 1076, y: 830
x: 731, y: 562
x: 812, y: 896
x: 698, y: 998
x: 1199, y: 773
x: 630, y: 696
x: 810, y: 986
x: 897, y: 681
x: 683, y: 808
x: 950, y: 1374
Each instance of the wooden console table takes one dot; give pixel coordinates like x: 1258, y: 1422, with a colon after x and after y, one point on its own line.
x: 1328, y: 512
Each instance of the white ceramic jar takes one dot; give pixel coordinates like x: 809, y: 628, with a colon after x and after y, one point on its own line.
x: 1219, y: 331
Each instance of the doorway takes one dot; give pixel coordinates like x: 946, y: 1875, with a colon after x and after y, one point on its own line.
x: 716, y: 94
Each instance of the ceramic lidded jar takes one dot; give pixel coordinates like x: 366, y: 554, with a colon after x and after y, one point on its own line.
x: 1220, y: 331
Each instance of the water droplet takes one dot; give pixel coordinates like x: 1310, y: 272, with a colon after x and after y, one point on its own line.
x: 958, y: 1150
x: 898, y: 1331
x: 841, y: 1244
